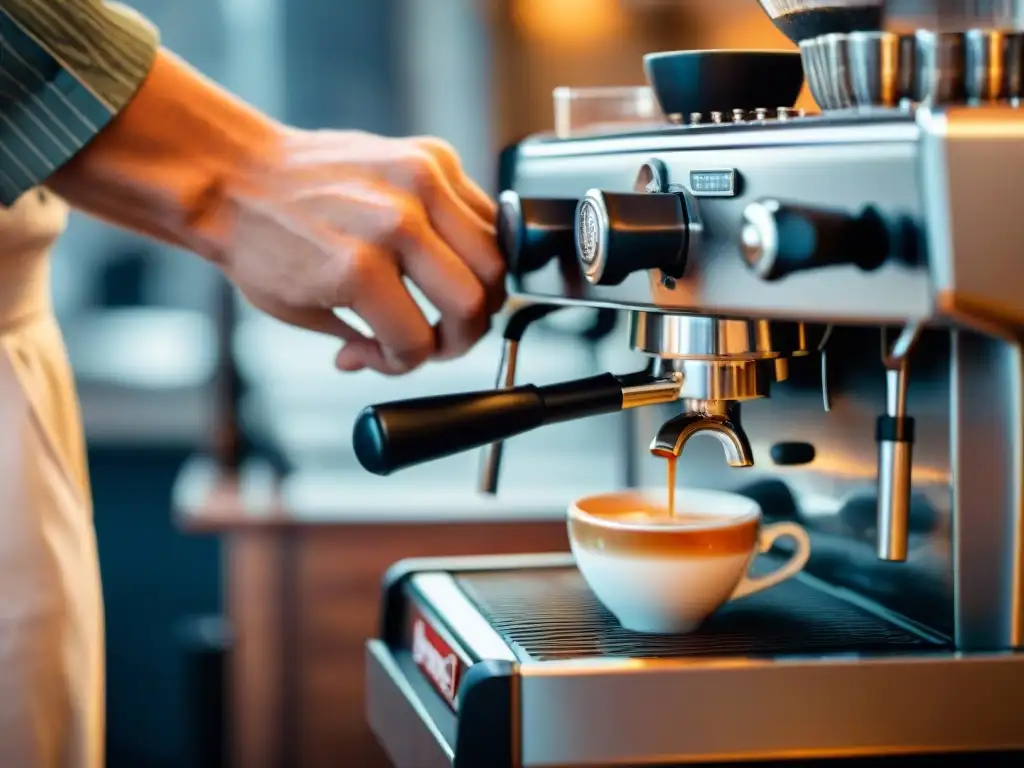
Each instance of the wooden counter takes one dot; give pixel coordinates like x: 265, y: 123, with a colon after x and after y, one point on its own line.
x: 302, y: 593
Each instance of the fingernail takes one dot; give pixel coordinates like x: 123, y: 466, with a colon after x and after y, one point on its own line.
x: 405, y: 360
x: 349, y: 366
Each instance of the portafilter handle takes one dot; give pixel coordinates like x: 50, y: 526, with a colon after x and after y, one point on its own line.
x: 393, y: 436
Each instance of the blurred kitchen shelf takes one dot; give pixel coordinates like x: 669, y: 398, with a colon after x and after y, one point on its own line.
x: 144, y: 374
x: 206, y: 498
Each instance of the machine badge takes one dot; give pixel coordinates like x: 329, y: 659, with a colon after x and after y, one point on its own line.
x: 588, y: 234
x: 436, y: 659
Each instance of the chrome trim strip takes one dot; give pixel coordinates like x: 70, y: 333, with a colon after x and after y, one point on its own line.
x: 760, y: 136
x: 470, y: 629
x: 397, y: 717
x: 472, y: 563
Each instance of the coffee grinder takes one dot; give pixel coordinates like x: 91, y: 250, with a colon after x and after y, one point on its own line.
x: 836, y: 298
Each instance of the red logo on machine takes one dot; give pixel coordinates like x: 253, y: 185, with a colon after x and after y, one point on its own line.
x: 435, y: 659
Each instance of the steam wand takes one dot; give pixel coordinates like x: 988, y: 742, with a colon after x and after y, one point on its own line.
x: 826, y: 397
x: 894, y: 433
x: 521, y: 319
x: 518, y: 323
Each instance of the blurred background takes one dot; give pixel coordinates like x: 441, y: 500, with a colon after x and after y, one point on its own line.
x: 238, y: 594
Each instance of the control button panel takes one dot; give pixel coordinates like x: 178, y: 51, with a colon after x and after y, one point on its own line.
x: 739, y: 116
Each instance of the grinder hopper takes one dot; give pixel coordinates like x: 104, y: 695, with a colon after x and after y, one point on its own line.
x: 805, y: 19
x: 802, y: 20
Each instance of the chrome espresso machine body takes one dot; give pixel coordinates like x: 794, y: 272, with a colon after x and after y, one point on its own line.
x: 838, y: 299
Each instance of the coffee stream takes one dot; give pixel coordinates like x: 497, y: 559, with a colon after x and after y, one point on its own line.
x: 671, y: 462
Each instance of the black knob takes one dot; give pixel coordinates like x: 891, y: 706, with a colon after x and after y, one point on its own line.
x: 532, y: 232
x: 792, y: 454
x: 619, y: 234
x: 779, y: 239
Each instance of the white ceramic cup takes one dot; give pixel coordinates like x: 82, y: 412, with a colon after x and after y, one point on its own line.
x: 665, y: 575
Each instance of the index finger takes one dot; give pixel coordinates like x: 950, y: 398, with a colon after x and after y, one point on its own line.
x: 478, y: 201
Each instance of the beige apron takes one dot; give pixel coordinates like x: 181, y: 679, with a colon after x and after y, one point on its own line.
x: 51, y: 615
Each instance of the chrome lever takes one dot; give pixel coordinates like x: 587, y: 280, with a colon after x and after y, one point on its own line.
x: 825, y: 397
x: 518, y: 322
x: 490, y: 461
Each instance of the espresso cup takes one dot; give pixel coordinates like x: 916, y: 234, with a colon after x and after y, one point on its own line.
x: 662, y: 574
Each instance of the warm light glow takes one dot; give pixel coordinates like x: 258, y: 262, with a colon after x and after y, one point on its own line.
x: 568, y: 21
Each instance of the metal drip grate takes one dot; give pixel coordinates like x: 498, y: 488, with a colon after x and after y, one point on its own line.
x: 551, y: 614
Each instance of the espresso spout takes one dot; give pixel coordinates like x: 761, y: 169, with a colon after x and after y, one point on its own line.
x: 716, y: 418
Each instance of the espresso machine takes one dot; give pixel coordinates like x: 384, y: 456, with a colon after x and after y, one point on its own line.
x: 837, y: 299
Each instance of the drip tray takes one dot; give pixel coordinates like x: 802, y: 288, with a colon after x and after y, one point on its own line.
x: 549, y: 614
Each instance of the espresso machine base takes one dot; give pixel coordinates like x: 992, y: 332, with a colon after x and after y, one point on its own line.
x: 490, y: 662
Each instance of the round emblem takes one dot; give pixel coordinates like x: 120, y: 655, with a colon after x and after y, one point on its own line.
x: 588, y: 233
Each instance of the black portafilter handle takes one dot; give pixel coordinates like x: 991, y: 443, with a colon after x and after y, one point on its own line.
x: 393, y: 436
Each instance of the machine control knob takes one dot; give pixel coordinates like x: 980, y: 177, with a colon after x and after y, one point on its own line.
x: 534, y: 231
x: 619, y: 234
x: 779, y: 239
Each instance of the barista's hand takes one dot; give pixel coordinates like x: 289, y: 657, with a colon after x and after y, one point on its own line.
x: 341, y: 219
x: 303, y: 222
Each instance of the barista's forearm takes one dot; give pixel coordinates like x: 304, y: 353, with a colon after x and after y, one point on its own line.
x: 165, y: 165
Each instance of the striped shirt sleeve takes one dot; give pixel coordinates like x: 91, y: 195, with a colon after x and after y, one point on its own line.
x: 67, y: 68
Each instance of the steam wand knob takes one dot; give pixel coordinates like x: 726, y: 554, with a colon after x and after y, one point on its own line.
x: 778, y: 239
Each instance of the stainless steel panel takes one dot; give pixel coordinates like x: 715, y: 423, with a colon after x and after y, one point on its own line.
x: 403, y: 727
x: 988, y: 524
x: 971, y: 162
x: 573, y: 714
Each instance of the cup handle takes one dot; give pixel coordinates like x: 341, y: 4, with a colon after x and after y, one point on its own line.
x: 796, y: 563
